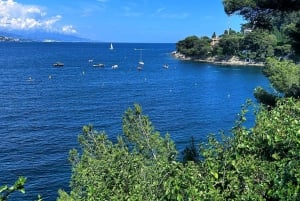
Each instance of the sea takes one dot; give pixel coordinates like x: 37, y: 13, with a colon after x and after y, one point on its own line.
x: 43, y: 108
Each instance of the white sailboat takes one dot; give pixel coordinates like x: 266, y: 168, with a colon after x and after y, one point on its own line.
x: 141, y: 62
x: 111, y: 46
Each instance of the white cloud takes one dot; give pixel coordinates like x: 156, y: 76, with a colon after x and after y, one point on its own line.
x: 16, y: 16
x: 68, y: 29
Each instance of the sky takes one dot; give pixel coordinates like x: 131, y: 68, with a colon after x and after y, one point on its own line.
x: 153, y: 21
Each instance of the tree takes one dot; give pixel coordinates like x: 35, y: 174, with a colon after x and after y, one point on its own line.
x: 285, y: 79
x: 240, y: 6
x: 142, y: 137
x: 284, y: 76
x: 231, y: 44
x: 195, y: 47
x: 5, y: 191
x: 259, y: 45
x: 259, y: 163
x: 214, y: 35
x: 187, y: 46
x: 267, y: 14
x: 18, y: 186
x: 295, y: 34
x: 137, y: 167
x: 191, y: 153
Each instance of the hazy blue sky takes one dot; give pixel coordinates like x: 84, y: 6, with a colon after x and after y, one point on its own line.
x: 119, y: 20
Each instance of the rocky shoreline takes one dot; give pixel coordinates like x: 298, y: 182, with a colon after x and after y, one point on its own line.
x: 231, y: 61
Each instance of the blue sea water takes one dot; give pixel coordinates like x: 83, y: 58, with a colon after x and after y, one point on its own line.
x: 43, y: 108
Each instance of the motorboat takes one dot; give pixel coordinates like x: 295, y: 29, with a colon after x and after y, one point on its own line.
x: 114, y: 66
x: 98, y: 65
x: 58, y: 64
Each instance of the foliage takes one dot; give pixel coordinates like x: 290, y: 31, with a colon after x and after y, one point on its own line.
x: 295, y: 34
x: 195, y: 47
x: 272, y: 29
x: 256, y: 45
x: 284, y: 76
x: 265, y: 97
x: 214, y: 35
x: 260, y: 12
x: 141, y: 135
x: 230, y: 44
x: 5, y: 191
x: 191, y: 153
x: 136, y: 167
x: 276, y: 16
x: 259, y: 45
x: 260, y: 163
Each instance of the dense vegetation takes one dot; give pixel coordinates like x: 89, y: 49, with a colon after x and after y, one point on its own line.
x: 258, y: 163
x: 253, y: 46
x: 261, y: 163
x: 269, y: 33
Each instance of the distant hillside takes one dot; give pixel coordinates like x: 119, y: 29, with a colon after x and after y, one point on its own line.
x: 8, y: 39
x: 39, y: 37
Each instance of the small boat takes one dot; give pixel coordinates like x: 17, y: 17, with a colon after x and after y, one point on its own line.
x: 140, y: 67
x: 58, y: 64
x: 166, y: 66
x: 111, y: 46
x: 141, y: 62
x: 114, y: 66
x: 91, y: 60
x: 98, y: 65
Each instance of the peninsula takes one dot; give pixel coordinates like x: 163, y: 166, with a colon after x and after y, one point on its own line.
x: 246, y: 48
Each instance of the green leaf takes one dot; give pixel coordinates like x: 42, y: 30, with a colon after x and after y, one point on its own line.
x: 3, y: 188
x: 215, y: 174
x: 276, y: 156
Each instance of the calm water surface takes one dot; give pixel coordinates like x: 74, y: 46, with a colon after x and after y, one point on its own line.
x: 43, y: 108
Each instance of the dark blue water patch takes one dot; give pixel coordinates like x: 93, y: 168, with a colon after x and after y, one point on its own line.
x: 43, y: 108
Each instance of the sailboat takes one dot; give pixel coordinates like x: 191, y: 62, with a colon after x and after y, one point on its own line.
x: 111, y: 46
x: 141, y: 62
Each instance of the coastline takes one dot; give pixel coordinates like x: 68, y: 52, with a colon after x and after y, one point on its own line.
x: 232, y: 61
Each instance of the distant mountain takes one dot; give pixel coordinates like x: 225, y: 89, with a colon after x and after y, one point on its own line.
x: 40, y: 36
